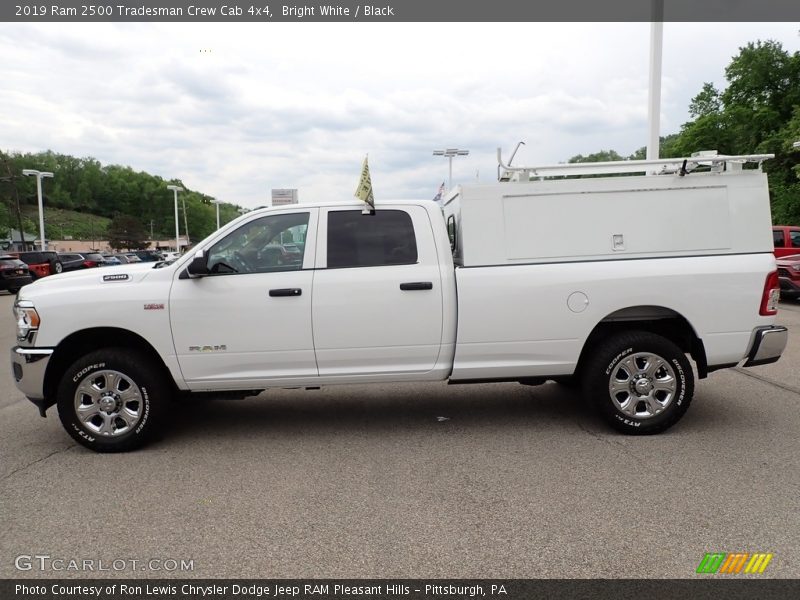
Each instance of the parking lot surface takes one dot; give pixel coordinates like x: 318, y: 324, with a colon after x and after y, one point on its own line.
x: 514, y: 482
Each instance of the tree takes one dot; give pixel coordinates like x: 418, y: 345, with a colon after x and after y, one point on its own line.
x: 707, y: 102
x: 757, y: 112
x: 126, y: 232
x: 602, y: 156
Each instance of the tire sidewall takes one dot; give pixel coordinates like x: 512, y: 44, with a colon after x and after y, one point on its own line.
x: 610, y: 357
x: 133, y: 367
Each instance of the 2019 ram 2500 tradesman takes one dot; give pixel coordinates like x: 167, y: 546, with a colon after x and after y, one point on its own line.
x: 615, y: 282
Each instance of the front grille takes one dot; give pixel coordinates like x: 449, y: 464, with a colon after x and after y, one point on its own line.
x: 784, y: 273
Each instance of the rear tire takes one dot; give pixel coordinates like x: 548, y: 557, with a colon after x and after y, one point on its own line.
x: 641, y: 383
x: 113, y: 400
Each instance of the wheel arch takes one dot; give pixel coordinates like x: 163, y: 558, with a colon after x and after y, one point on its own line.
x: 659, y: 320
x: 81, y: 342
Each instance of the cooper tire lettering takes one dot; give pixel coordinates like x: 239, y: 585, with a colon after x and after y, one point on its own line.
x: 86, y: 370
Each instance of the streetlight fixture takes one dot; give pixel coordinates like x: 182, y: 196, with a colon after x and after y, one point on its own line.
x: 175, y: 189
x: 449, y: 153
x: 38, y: 175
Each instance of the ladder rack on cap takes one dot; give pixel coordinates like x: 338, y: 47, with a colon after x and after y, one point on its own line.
x: 661, y: 166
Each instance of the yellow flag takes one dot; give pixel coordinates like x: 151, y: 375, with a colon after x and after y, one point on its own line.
x: 364, y: 189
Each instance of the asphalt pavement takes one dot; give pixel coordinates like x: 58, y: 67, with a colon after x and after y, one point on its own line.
x: 371, y: 481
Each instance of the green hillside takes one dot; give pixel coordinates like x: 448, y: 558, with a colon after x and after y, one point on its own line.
x: 84, y: 197
x: 65, y: 224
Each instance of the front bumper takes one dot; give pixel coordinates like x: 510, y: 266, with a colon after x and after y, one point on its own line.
x: 28, y: 365
x: 767, y: 346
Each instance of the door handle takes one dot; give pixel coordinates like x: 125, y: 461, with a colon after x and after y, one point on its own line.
x: 285, y: 292
x: 416, y: 285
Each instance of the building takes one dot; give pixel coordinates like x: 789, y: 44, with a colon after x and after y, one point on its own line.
x: 14, y: 242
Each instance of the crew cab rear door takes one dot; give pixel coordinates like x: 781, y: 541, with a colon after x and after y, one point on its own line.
x: 377, y: 303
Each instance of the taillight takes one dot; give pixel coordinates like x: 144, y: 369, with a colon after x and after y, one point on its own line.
x: 90, y: 263
x: 771, y: 295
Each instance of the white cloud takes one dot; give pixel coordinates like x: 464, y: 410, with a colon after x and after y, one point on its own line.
x: 237, y: 109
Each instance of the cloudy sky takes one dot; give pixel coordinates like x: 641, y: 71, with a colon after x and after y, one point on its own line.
x: 237, y: 109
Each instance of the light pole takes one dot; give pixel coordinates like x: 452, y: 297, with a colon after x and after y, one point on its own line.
x: 654, y: 94
x: 449, y: 153
x: 175, y: 189
x: 217, y: 203
x: 38, y: 175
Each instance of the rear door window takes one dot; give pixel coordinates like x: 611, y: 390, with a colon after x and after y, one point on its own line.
x: 777, y: 238
x: 381, y: 239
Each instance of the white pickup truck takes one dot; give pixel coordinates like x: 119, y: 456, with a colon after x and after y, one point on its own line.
x: 610, y: 282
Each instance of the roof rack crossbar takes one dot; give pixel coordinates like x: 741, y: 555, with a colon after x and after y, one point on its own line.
x: 660, y: 166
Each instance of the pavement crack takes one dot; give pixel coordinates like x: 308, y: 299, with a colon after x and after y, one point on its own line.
x: 783, y: 386
x: 606, y: 439
x: 30, y: 464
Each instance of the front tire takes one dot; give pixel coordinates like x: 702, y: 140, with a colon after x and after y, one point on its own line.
x: 56, y: 267
x: 641, y: 383
x: 112, y: 400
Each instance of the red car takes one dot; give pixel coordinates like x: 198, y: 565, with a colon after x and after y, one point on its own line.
x: 41, y: 264
x: 786, y: 239
x: 789, y: 275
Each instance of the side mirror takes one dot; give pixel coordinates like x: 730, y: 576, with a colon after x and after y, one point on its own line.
x: 199, y: 265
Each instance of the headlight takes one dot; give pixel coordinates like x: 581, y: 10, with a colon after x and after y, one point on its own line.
x: 27, y: 319
x: 796, y: 266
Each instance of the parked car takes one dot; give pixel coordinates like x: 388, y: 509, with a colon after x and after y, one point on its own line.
x: 111, y: 260
x: 13, y: 273
x: 72, y: 261
x: 41, y: 264
x: 789, y: 275
x: 170, y: 256
x: 786, y: 239
x: 148, y: 255
x: 132, y: 257
x: 95, y: 257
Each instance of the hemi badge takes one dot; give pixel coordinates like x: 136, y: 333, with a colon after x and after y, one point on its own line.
x: 154, y: 307
x: 120, y: 277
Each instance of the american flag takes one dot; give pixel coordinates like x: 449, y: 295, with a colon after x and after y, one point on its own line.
x: 438, y: 196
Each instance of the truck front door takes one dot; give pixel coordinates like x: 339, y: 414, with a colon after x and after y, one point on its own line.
x: 249, y: 321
